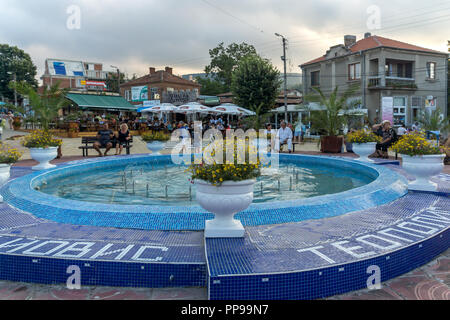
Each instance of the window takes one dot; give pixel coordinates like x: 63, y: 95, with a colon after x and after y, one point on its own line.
x: 399, y: 110
x: 354, y: 71
x: 315, y: 78
x: 431, y: 70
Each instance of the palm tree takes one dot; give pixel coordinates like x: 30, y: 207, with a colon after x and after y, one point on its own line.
x: 331, y: 119
x: 46, y: 105
x: 434, y: 121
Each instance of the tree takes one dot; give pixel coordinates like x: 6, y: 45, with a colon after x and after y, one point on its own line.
x: 46, y: 105
x: 255, y: 86
x: 225, y: 60
x: 210, y: 87
x: 16, y: 62
x: 112, y: 83
x: 330, y: 120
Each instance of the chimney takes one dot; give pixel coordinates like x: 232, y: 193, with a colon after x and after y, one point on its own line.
x: 349, y: 40
x: 367, y: 35
x: 152, y: 70
x: 169, y: 70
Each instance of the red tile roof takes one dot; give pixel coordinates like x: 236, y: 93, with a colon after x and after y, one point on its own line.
x: 158, y: 77
x: 378, y: 42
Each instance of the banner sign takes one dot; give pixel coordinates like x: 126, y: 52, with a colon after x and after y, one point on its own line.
x: 139, y: 94
x: 387, y: 109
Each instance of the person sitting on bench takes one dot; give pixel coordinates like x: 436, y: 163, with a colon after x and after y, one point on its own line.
x: 105, y: 137
x: 388, y: 135
x: 122, y: 138
x: 284, y: 136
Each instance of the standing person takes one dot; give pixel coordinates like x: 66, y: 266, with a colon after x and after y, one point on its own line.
x: 416, y: 126
x: 298, y: 133
x: 10, y: 118
x: 284, y: 136
x: 123, y: 136
x: 105, y: 137
x: 402, y: 130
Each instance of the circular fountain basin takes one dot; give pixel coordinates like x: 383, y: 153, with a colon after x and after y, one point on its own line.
x: 150, y: 193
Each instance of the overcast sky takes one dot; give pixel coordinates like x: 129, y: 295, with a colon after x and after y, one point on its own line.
x: 137, y: 34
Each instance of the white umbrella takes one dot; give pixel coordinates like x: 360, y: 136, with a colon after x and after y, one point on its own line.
x: 232, y: 109
x: 165, y: 107
x: 193, y: 107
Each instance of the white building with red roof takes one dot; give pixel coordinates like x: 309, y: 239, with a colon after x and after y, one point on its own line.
x: 396, y: 79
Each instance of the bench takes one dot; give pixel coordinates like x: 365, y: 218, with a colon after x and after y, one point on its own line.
x: 88, y: 144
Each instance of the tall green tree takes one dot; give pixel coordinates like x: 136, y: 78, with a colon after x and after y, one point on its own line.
x: 331, y: 119
x: 225, y: 60
x: 210, y: 87
x: 255, y: 86
x: 45, y: 105
x: 15, y: 61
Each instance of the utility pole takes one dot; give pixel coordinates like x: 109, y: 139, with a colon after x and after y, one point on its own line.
x: 285, y: 77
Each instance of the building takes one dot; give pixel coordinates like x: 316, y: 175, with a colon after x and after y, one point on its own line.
x: 160, y: 87
x: 294, y: 80
x: 396, y: 79
x: 75, y: 75
x: 294, y: 98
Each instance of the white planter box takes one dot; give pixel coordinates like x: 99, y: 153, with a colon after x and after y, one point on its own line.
x: 364, y: 150
x: 5, y: 170
x: 423, y: 168
x: 44, y: 156
x: 225, y: 202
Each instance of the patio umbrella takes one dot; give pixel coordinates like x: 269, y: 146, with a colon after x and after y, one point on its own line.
x: 165, y: 107
x: 193, y: 107
x: 232, y: 109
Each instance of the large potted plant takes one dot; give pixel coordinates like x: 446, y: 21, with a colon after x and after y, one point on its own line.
x: 330, y: 117
x: 43, y: 148
x: 225, y: 187
x: 420, y: 159
x: 363, y: 143
x: 45, y: 107
x: 8, y: 156
x: 156, y: 141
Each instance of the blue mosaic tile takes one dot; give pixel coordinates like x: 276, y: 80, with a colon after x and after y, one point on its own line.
x: 20, y: 193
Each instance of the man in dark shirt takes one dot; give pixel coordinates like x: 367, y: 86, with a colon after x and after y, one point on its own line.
x: 104, y: 137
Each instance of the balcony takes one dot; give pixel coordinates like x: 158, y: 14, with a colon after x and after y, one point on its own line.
x: 392, y: 83
x: 96, y: 75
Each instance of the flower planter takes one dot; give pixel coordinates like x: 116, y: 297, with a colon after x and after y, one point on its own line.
x: 423, y: 168
x: 44, y: 156
x: 225, y: 202
x: 156, y: 146
x: 4, y: 175
x: 364, y: 150
x: 331, y: 144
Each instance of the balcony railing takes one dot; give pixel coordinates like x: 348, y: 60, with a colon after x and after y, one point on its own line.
x: 392, y: 83
x: 93, y: 74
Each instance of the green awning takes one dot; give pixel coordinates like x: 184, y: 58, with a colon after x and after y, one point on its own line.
x: 89, y: 101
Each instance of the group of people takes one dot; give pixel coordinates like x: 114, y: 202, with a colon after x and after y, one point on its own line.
x: 107, y: 139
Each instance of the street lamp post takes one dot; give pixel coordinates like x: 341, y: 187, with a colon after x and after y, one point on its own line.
x: 15, y: 91
x: 285, y: 77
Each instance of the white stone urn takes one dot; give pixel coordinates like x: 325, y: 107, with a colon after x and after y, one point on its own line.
x: 44, y: 156
x: 364, y: 150
x: 225, y: 202
x: 4, y: 175
x: 156, y: 146
x: 423, y: 168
